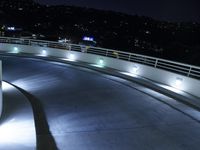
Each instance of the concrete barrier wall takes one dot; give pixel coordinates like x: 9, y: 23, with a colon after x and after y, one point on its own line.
x: 188, y: 85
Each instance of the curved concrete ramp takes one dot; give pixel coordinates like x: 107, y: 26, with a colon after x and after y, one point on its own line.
x: 86, y: 110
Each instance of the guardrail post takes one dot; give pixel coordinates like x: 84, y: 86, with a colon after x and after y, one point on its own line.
x: 48, y: 45
x: 189, y: 71
x: 129, y: 57
x: 106, y: 53
x: 29, y: 42
x: 70, y: 47
x: 8, y: 40
x: 156, y: 63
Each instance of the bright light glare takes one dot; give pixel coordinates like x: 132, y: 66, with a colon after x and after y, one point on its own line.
x: 6, y: 86
x: 129, y: 74
x: 173, y: 89
x: 18, y: 132
x: 178, y: 82
x: 85, y: 38
x: 101, y: 62
x: 44, y: 52
x: 15, y: 50
x: 96, y: 65
x: 37, y: 82
x: 11, y: 28
x: 71, y: 57
x: 134, y: 69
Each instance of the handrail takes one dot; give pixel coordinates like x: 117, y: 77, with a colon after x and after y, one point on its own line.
x: 177, y: 67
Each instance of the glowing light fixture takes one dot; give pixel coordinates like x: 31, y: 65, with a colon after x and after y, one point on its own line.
x: 129, y: 74
x: 178, y: 82
x: 44, y: 53
x: 101, y: 61
x: 71, y: 57
x: 15, y: 50
x: 134, y: 69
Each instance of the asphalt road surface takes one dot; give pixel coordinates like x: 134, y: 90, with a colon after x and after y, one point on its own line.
x: 80, y: 109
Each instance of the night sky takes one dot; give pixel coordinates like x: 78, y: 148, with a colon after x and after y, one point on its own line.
x: 171, y: 10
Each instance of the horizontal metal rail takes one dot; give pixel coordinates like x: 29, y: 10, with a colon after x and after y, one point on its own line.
x: 176, y: 67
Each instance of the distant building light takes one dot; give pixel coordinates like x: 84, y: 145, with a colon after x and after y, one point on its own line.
x: 11, y: 28
x: 63, y: 40
x: 85, y: 38
x: 148, y: 32
x: 34, y: 35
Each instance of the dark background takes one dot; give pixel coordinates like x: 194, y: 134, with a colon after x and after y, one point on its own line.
x: 171, y: 10
x: 176, y: 38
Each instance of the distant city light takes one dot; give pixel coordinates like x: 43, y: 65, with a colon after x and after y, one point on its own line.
x: 85, y: 38
x: 11, y: 28
x: 63, y: 40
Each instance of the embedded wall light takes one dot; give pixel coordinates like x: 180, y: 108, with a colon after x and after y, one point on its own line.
x: 178, y: 82
x: 71, y: 57
x: 134, y: 69
x: 101, y: 61
x: 44, y: 52
x: 15, y: 50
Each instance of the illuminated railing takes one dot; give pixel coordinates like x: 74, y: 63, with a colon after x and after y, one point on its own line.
x: 180, y: 68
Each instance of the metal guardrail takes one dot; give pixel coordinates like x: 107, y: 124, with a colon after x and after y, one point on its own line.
x: 180, y: 68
